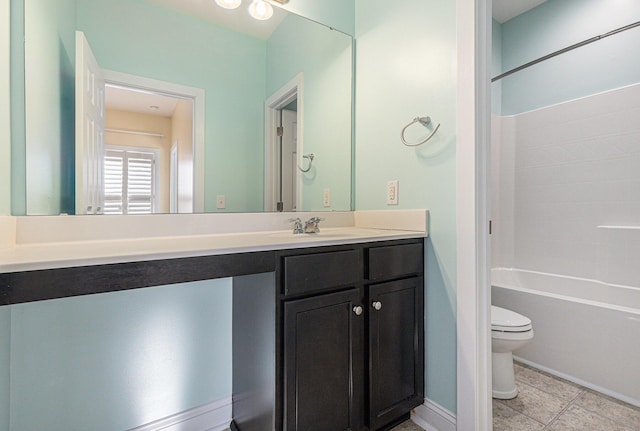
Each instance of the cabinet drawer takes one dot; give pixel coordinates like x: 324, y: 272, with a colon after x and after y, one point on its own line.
x: 395, y: 261
x: 321, y: 271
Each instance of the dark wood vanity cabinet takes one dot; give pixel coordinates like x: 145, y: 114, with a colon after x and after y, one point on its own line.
x: 352, y: 337
x: 323, y: 362
x: 396, y: 355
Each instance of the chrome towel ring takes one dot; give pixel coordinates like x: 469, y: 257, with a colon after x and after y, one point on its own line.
x: 425, y: 121
x: 310, y: 157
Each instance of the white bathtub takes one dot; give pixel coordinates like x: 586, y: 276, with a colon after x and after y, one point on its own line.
x: 584, y: 330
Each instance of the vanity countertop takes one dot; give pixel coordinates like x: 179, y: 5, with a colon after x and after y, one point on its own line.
x: 36, y: 243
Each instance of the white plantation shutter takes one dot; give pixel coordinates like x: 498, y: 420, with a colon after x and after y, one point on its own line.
x: 129, y: 181
x: 113, y: 181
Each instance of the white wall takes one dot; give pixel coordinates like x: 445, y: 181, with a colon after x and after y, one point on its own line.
x: 563, y: 171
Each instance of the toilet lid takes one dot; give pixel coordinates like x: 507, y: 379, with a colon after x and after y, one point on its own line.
x: 508, y: 321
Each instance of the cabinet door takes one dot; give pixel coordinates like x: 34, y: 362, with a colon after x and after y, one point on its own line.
x: 323, y: 363
x: 396, y: 349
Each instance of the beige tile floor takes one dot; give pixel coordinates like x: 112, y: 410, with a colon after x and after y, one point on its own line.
x: 547, y: 403
x: 407, y: 426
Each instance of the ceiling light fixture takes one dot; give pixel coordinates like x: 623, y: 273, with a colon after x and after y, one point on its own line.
x: 261, y: 10
x: 229, y: 4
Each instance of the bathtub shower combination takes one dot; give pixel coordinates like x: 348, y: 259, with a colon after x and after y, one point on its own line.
x: 566, y: 240
x: 586, y: 331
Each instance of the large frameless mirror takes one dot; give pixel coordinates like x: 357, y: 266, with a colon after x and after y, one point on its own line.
x: 157, y: 106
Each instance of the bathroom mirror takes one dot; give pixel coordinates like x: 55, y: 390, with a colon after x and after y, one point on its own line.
x: 210, y: 90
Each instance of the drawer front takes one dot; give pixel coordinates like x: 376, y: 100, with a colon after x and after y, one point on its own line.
x: 395, y: 261
x: 321, y: 271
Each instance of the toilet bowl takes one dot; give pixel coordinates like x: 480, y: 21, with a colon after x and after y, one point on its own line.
x: 509, y: 331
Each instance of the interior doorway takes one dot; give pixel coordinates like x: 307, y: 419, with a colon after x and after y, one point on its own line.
x: 147, y: 95
x: 149, y: 122
x: 283, y: 143
x: 288, y: 158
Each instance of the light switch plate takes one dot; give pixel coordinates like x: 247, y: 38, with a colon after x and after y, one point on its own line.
x: 392, y: 192
x: 221, y: 202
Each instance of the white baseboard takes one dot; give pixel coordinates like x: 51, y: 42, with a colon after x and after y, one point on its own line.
x: 433, y: 417
x: 214, y: 416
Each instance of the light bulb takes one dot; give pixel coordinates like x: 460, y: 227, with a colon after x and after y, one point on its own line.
x: 229, y: 4
x: 261, y: 10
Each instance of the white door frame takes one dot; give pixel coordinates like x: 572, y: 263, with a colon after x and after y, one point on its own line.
x: 184, y: 92
x: 472, y: 198
x: 291, y: 91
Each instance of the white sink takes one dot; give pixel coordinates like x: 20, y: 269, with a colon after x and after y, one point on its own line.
x: 329, y: 233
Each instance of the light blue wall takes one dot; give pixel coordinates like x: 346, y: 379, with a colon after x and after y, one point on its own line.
x: 119, y: 360
x: 496, y: 66
x: 406, y: 52
x: 5, y: 115
x: 18, y: 148
x: 5, y: 366
x: 339, y: 14
x: 610, y: 63
x: 327, y: 103
x: 50, y: 105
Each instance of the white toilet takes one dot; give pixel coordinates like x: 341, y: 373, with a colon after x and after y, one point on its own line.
x: 509, y: 331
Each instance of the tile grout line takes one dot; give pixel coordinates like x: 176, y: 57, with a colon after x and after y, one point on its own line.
x: 518, y: 411
x: 599, y: 413
x: 572, y: 402
x: 521, y: 413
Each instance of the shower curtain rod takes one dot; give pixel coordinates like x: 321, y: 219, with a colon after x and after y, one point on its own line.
x: 134, y: 132
x: 567, y: 49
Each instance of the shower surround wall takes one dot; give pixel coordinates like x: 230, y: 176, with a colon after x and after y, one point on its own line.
x: 567, y: 203
x: 562, y: 174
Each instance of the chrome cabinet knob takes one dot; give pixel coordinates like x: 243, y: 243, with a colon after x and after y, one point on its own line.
x: 358, y: 310
x: 377, y: 305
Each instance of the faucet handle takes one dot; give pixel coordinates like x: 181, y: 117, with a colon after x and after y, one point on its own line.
x: 311, y: 225
x: 297, y: 226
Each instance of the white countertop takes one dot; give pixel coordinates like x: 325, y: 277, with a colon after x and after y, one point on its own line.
x: 33, y: 243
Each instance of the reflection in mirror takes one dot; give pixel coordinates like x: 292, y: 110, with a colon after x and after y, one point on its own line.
x: 238, y: 165
x: 144, y: 169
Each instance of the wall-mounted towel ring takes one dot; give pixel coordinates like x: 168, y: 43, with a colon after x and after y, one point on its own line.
x: 425, y: 121
x: 310, y: 157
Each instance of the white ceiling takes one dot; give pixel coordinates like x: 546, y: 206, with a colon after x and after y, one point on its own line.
x: 237, y: 19
x: 504, y: 10
x: 141, y: 102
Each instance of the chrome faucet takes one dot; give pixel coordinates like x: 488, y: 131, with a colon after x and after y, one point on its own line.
x: 311, y: 225
x: 297, y: 225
